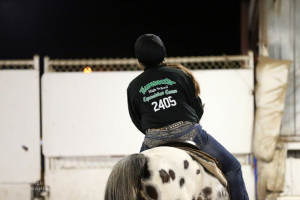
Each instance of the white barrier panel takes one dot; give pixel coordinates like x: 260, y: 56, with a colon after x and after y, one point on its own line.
x: 229, y: 107
x: 77, y: 184
x: 249, y: 179
x: 79, y: 177
x: 15, y: 191
x: 292, y: 174
x: 87, y: 114
x: 19, y: 126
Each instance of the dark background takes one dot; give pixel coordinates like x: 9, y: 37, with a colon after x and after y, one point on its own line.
x: 98, y: 29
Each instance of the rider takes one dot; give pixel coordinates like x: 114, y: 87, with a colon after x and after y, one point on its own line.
x: 164, y: 104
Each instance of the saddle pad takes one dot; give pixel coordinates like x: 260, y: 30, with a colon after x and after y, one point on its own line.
x: 208, y: 162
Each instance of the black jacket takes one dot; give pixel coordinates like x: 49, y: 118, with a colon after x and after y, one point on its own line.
x: 161, y: 96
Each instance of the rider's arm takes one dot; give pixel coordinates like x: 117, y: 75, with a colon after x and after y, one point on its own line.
x: 199, y: 108
x: 134, y: 113
x: 194, y: 101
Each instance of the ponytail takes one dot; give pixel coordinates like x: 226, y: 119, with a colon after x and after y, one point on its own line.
x: 188, y: 73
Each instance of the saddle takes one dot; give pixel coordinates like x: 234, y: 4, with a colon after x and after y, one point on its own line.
x: 209, y: 163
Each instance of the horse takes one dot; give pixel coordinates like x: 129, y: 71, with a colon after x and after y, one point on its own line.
x: 163, y: 173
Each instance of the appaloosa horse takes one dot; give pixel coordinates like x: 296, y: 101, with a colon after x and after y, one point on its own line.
x: 163, y: 173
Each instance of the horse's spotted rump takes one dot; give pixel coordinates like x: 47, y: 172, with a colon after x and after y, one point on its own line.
x: 158, y: 176
x: 186, y: 164
x: 223, y: 193
x: 165, y: 177
x: 146, y: 173
x: 220, y: 194
x: 181, y: 182
x: 172, y: 174
x: 151, y: 192
x: 207, y: 192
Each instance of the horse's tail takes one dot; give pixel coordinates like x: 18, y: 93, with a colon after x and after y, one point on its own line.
x: 124, y: 180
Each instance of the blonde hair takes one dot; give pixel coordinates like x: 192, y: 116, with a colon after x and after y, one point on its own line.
x: 188, y: 73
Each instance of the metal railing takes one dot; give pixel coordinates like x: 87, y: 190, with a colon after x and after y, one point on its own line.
x: 131, y: 64
x: 20, y: 64
x: 80, y: 162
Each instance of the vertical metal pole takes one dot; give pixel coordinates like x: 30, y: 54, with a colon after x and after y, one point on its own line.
x: 251, y: 59
x: 293, y: 19
x: 46, y: 64
x: 36, y: 62
x: 244, y: 27
x: 262, y: 32
x: 296, y: 5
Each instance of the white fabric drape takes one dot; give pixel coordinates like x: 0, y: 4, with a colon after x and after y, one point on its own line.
x: 272, y: 78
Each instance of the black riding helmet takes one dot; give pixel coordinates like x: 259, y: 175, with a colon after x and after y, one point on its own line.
x: 149, y: 50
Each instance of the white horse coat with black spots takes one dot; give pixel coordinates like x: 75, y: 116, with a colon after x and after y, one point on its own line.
x: 162, y: 173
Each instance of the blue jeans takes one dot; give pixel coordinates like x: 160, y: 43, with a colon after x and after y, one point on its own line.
x: 230, y: 165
